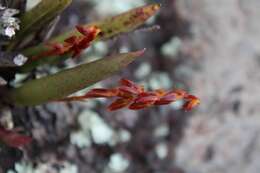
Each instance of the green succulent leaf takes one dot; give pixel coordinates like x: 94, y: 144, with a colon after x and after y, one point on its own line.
x: 121, y: 23
x: 66, y: 82
x: 110, y: 27
x: 50, y: 60
x: 38, y: 17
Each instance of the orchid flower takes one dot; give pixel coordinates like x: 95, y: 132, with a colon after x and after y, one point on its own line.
x: 131, y: 95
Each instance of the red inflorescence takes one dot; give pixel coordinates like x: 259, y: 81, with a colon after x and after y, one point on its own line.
x: 133, y: 96
x: 73, y: 44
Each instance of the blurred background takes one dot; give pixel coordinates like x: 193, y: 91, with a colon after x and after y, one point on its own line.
x: 208, y: 47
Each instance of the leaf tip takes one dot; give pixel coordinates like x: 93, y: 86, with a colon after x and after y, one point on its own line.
x: 153, y: 8
x: 157, y: 6
x: 139, y: 52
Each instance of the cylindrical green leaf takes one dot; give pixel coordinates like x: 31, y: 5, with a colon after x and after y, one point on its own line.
x: 66, y: 82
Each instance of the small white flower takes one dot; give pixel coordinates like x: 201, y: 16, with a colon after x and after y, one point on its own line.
x: 9, y: 31
x: 8, y: 23
x: 20, y: 59
x: 118, y: 163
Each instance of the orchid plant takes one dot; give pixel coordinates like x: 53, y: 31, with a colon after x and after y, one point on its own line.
x: 59, y: 86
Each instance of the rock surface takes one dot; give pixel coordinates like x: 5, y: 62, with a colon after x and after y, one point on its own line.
x: 223, y: 135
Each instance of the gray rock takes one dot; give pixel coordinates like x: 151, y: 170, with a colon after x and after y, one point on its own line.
x: 223, y: 135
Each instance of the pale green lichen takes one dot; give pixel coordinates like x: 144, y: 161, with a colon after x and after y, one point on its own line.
x: 24, y: 167
x: 162, y: 130
x: 124, y: 135
x: 143, y: 70
x: 117, y: 163
x: 177, y: 105
x: 161, y: 150
x: 171, y: 48
x: 69, y: 168
x: 100, y: 131
x: 80, y: 139
x: 184, y: 72
x: 93, y: 127
x: 160, y: 80
x: 100, y: 48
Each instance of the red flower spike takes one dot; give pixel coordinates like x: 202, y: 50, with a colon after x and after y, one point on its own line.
x: 88, y: 30
x: 146, y: 97
x: 137, y: 106
x: 13, y: 139
x: 55, y: 49
x: 89, y: 33
x: 84, y: 43
x: 180, y: 94
x: 125, y: 91
x: 76, y: 52
x: 100, y: 92
x: 81, y: 29
x: 171, y: 96
x: 167, y: 98
x: 81, y: 43
x: 119, y: 103
x: 160, y: 92
x: 147, y: 93
x: 144, y: 100
x: 72, y: 40
x: 129, y: 93
x: 192, y: 101
x: 84, y: 30
x: 126, y: 82
x: 73, y: 44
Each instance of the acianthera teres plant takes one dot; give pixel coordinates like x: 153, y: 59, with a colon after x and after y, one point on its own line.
x: 20, y: 53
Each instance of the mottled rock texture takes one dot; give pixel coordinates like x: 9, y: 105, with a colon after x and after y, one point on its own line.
x: 223, y: 135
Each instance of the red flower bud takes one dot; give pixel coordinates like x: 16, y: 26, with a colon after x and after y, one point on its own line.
x: 126, y: 91
x: 167, y: 98
x: 119, y: 103
x: 128, y: 83
x: 192, y: 101
x: 100, y: 92
x: 144, y: 100
x: 72, y: 40
x: 171, y: 96
x: 89, y: 31
x: 129, y: 93
x: 73, y: 44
